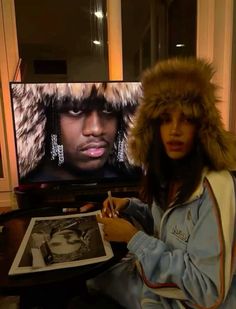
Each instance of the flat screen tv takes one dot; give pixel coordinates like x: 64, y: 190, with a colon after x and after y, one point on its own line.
x: 74, y: 132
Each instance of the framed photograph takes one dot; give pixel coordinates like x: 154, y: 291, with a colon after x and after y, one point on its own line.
x: 60, y: 242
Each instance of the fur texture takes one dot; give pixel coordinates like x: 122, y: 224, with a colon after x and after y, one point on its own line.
x: 31, y: 100
x: 184, y: 82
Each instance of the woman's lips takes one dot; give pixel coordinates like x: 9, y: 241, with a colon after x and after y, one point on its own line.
x: 175, y: 146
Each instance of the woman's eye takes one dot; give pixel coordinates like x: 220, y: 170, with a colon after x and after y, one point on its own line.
x: 187, y: 120
x: 165, y: 119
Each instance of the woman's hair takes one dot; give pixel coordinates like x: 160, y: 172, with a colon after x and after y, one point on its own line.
x: 188, y: 171
x: 184, y: 83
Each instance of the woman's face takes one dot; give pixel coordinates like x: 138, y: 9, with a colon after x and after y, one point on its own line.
x: 177, y: 133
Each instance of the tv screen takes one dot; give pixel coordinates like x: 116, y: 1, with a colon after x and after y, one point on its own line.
x: 74, y: 132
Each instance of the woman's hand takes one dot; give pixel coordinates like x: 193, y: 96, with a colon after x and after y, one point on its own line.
x: 117, y: 229
x: 118, y: 205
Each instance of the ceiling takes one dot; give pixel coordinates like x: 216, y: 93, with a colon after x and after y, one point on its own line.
x: 71, y: 28
x: 62, y: 29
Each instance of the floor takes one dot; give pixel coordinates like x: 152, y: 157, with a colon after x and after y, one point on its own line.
x: 9, y: 302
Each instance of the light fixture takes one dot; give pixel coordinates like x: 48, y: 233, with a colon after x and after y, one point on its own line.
x: 96, y: 42
x: 97, y: 27
x: 98, y: 14
x: 180, y: 45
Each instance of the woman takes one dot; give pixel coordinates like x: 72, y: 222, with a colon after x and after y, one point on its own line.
x: 184, y: 243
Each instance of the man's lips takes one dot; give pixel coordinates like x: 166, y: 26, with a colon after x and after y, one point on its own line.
x: 175, y: 145
x: 94, y: 150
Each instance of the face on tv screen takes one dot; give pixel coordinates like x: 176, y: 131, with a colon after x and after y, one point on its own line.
x: 73, y: 132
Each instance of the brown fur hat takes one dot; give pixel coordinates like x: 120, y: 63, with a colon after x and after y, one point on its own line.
x: 31, y: 100
x: 184, y: 82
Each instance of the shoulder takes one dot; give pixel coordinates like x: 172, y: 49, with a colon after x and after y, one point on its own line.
x: 214, y: 182
x: 221, y: 187
x: 220, y: 180
x: 217, y: 192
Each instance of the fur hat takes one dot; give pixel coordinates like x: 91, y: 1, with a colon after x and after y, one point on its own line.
x: 31, y: 100
x: 184, y: 82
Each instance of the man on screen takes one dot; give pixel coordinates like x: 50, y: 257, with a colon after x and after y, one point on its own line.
x: 88, y: 132
x: 73, y: 129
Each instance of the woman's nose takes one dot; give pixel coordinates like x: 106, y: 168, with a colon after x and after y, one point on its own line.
x: 92, y: 124
x: 175, y: 128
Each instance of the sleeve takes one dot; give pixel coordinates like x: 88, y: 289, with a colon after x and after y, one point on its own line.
x: 140, y: 215
x: 200, y: 274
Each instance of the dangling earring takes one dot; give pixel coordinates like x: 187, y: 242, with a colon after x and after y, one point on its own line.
x: 120, y: 150
x: 60, y: 148
x: 60, y: 152
x: 56, y: 149
x: 53, y: 134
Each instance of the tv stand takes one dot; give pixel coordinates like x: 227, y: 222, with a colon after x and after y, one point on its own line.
x: 69, y: 195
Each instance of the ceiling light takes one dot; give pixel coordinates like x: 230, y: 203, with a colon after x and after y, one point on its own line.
x: 180, y: 45
x: 96, y: 42
x: 99, y: 14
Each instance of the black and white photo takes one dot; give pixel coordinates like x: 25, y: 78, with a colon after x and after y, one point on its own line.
x: 60, y: 242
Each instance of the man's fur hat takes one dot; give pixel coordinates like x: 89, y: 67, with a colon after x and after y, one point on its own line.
x: 184, y: 82
x: 31, y: 100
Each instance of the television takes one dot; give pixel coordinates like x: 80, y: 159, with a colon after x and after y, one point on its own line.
x: 74, y: 133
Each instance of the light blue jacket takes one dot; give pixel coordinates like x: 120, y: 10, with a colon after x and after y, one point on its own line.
x: 190, y: 261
